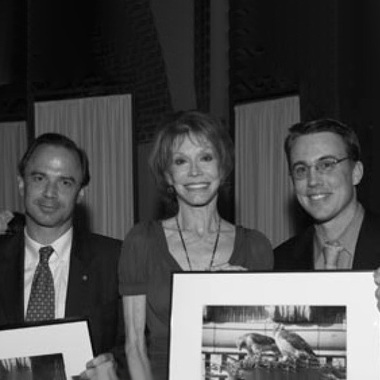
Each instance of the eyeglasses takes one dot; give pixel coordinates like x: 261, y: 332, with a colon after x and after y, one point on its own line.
x: 322, y: 166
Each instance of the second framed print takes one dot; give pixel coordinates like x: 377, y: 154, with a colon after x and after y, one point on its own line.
x: 57, y: 350
x: 269, y: 326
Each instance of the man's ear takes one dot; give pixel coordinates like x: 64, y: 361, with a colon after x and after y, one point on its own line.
x: 357, y: 173
x: 80, y: 195
x: 21, y: 185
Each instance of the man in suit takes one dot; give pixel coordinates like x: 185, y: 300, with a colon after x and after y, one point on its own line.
x: 83, y: 266
x: 325, y: 168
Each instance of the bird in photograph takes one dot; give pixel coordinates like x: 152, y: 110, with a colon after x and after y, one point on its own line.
x: 257, y: 344
x: 291, y: 344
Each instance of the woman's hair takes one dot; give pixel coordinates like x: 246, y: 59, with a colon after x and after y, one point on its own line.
x: 175, y: 128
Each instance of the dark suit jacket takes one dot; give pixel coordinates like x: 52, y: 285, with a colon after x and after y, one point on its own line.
x: 296, y: 254
x: 92, y: 288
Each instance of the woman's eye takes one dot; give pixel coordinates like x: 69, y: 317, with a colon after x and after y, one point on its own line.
x: 179, y: 161
x: 207, y: 157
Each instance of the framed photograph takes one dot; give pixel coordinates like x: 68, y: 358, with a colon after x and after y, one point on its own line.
x: 267, y: 326
x: 55, y: 351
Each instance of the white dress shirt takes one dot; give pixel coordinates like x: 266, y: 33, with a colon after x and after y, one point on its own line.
x: 59, y: 265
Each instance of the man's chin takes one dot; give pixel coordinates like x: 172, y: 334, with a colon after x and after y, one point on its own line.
x: 45, y: 221
x: 320, y: 216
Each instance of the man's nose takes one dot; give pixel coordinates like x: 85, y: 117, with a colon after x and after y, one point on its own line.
x: 313, y: 176
x: 51, y: 189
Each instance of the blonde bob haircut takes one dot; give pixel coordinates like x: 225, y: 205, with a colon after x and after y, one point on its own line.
x: 205, y: 128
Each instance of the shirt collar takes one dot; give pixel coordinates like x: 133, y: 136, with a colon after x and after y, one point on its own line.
x: 349, y: 236
x: 62, y: 244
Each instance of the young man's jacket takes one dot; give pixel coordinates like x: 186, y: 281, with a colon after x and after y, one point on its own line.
x: 296, y: 254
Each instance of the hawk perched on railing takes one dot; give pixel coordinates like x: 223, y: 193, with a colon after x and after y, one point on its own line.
x: 292, y: 345
x: 256, y: 344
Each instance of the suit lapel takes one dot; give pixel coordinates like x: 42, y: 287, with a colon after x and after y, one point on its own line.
x: 367, y: 251
x: 303, y: 252
x: 77, y: 298
x: 12, y: 280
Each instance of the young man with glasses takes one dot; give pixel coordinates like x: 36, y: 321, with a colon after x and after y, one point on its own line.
x: 325, y: 168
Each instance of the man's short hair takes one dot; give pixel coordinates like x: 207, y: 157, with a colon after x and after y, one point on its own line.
x: 57, y: 140
x: 324, y: 125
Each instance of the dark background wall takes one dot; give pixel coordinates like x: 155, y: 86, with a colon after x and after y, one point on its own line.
x: 327, y: 51
x: 210, y: 54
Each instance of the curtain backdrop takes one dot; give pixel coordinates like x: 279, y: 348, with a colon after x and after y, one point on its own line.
x: 263, y: 191
x: 13, y: 142
x: 102, y: 126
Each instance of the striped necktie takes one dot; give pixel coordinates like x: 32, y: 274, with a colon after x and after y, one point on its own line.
x: 331, y: 253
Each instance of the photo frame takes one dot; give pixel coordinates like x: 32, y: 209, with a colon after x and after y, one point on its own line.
x: 216, y: 319
x: 57, y: 350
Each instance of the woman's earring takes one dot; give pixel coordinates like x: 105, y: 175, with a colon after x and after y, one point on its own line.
x: 170, y: 190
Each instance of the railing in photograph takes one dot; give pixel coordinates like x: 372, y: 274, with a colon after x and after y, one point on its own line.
x: 216, y: 361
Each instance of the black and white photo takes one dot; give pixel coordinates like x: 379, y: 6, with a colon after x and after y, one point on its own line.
x: 269, y: 326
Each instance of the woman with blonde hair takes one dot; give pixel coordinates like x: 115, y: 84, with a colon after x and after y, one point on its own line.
x: 191, y: 158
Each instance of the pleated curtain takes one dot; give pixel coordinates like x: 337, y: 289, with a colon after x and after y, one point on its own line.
x: 263, y: 192
x: 13, y: 142
x: 102, y: 126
